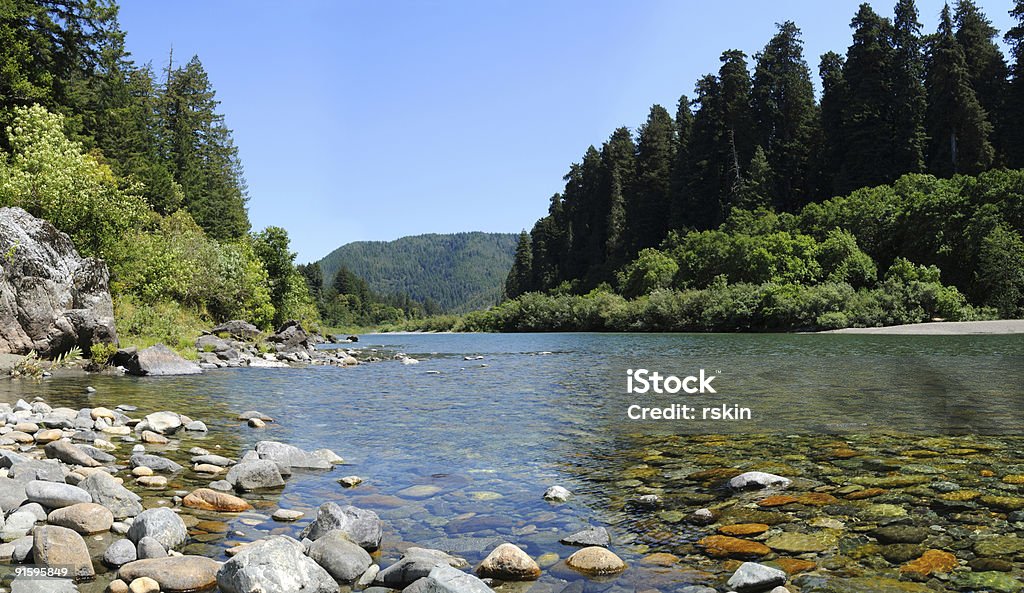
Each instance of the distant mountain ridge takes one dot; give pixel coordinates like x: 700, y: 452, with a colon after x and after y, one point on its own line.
x: 460, y: 271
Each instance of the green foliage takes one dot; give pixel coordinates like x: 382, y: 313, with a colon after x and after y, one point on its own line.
x: 176, y: 261
x: 1001, y: 271
x: 166, y: 322
x: 651, y: 270
x: 102, y: 353
x: 52, y: 178
x: 458, y: 272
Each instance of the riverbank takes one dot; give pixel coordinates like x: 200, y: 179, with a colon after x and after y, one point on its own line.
x: 942, y: 328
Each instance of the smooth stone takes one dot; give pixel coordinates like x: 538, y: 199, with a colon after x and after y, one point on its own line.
x: 415, y: 563
x: 85, y: 518
x: 69, y: 453
x: 595, y: 560
x: 445, y: 579
x: 196, y: 426
x: 209, y: 459
x: 751, y: 576
x: 60, y: 547
x: 287, y: 515
x: 255, y: 475
x: 163, y: 422
x: 508, y: 562
x: 55, y: 495
x: 342, y: 558
x: 120, y: 552
x: 174, y: 574
x: 289, y: 455
x: 420, y: 491
x: 211, y: 500
x: 155, y: 463
x: 163, y: 524
x: 148, y: 436
x: 144, y: 585
x: 149, y: 548
x: 153, y: 481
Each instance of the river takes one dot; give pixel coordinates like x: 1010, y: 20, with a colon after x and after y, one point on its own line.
x: 456, y: 453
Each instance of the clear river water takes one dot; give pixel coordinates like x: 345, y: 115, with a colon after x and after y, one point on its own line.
x: 456, y: 454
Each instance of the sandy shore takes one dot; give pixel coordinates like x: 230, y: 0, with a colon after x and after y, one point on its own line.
x: 942, y: 328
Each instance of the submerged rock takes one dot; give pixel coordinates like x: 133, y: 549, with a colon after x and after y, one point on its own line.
x: 751, y: 576
x: 595, y: 536
x: 754, y: 480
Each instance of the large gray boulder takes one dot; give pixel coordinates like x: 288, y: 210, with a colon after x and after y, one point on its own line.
x: 255, y: 475
x: 342, y: 558
x: 162, y: 524
x: 105, y: 490
x: 361, y: 526
x: 51, y: 299
x: 157, y: 360
x: 275, y: 564
x: 291, y: 337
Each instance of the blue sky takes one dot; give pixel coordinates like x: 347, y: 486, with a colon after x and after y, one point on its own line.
x: 375, y: 120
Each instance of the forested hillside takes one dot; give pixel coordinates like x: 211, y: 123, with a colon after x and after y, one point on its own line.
x: 138, y: 166
x: 452, y: 273
x: 734, y: 189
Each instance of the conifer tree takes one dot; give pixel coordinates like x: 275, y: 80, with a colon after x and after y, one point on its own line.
x: 831, y: 150
x: 1014, y: 123
x: 520, y: 277
x: 202, y: 156
x: 618, y: 180
x: 679, y: 213
x: 985, y: 64
x: 866, y: 131
x: 648, y: 206
x: 783, y: 103
x: 909, y: 99
x: 957, y: 125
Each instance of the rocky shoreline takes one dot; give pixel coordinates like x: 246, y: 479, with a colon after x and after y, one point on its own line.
x: 96, y: 492
x: 67, y: 475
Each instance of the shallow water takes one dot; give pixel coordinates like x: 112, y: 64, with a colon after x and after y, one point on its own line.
x: 489, y: 436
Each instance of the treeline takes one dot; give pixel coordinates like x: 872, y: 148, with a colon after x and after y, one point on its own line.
x: 139, y: 167
x: 897, y: 103
x: 847, y: 262
x: 349, y: 302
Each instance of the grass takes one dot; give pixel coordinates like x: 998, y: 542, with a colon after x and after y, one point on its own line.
x: 143, y: 324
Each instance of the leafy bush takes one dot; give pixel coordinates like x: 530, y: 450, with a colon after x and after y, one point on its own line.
x: 52, y: 178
